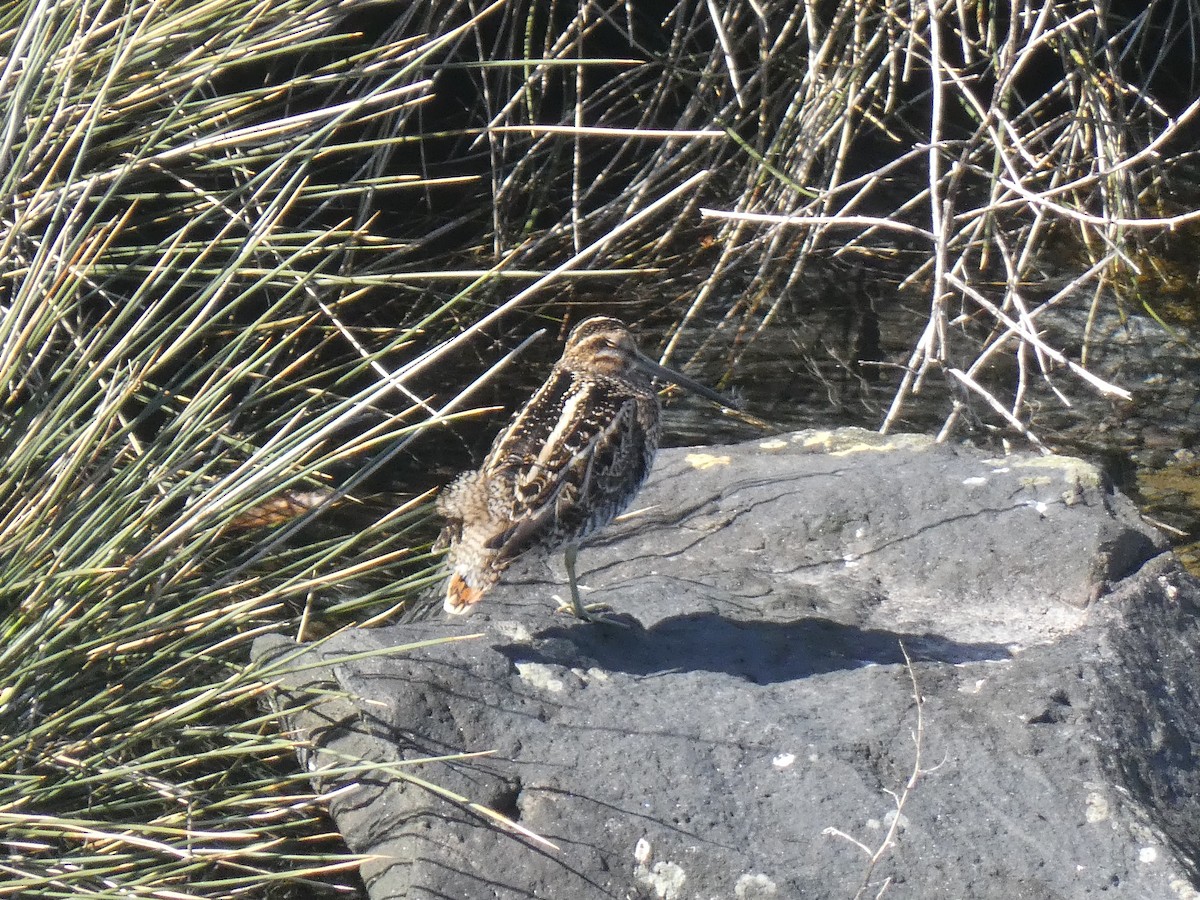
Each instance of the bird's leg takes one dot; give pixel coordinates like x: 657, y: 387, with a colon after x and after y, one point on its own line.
x: 569, y: 554
x: 577, y: 608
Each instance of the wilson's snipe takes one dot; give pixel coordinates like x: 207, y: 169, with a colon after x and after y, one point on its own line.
x: 567, y: 464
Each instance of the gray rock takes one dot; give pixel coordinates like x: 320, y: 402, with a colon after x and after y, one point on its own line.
x: 752, y: 731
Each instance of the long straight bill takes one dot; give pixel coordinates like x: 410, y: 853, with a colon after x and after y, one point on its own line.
x: 686, y: 383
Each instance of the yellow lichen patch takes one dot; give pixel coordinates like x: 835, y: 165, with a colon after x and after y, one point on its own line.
x: 706, y: 460
x: 845, y: 441
x: 1075, y: 471
x: 1032, y: 481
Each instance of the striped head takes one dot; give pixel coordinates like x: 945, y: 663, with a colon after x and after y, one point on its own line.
x: 604, y: 346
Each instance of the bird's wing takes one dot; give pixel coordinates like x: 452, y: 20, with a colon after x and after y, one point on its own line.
x: 572, y: 431
x: 530, y: 426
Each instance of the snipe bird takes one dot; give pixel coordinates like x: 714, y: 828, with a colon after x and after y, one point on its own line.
x: 569, y: 462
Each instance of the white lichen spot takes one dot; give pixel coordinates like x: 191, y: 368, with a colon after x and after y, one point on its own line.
x: 899, y: 818
x: 668, y: 880
x: 704, y: 461
x: 665, y: 879
x: 1170, y: 590
x: 1183, y: 889
x: 541, y: 676
x: 974, y: 687
x: 773, y: 444
x: 874, y: 824
x: 514, y: 631
x: 1148, y: 854
x: 754, y: 887
x: 783, y: 760
x: 975, y: 481
x: 1096, y: 809
x: 641, y: 851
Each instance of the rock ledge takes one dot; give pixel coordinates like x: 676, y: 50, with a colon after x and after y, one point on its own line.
x: 751, y: 731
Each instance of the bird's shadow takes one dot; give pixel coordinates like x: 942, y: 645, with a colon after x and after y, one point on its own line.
x: 760, y: 652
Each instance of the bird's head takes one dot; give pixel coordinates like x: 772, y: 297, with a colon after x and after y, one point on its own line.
x: 602, y: 346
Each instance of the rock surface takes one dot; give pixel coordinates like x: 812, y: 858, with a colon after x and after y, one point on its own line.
x: 753, y: 730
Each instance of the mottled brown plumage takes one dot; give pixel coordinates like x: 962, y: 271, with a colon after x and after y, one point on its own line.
x: 569, y: 462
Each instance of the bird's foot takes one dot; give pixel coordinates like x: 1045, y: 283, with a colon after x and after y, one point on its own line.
x: 587, y: 612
